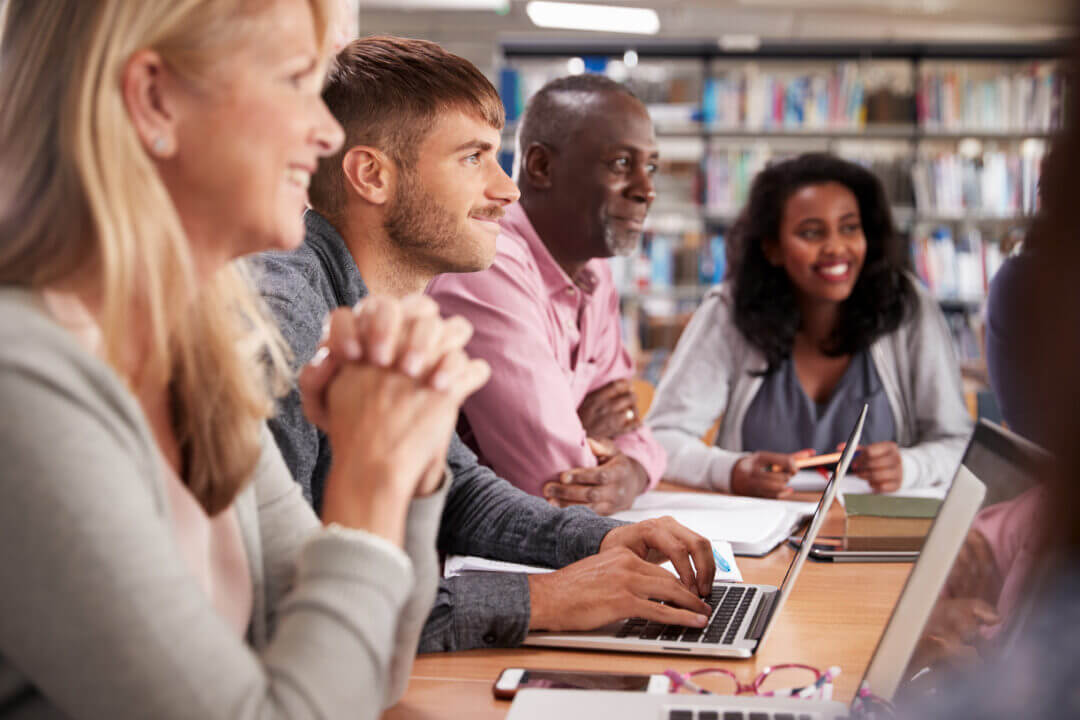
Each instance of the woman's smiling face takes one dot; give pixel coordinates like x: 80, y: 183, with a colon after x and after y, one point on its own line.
x: 249, y: 140
x: 821, y: 244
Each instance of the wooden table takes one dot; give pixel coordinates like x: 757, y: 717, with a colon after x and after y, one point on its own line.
x: 834, y: 617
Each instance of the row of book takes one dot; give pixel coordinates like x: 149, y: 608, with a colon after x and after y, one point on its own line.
x: 728, y: 175
x: 666, y: 261
x: 998, y: 97
x: 965, y: 97
x: 752, y: 98
x: 955, y: 267
x: 994, y: 182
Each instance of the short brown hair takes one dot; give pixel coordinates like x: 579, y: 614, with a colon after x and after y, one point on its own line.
x: 386, y: 92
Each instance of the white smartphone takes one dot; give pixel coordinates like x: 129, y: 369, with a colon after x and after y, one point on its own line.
x: 511, y: 680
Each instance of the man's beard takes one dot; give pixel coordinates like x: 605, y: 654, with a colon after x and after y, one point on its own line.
x: 419, y: 225
x: 625, y: 245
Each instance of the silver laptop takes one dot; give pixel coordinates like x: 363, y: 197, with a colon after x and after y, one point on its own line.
x: 742, y: 612
x: 886, y: 672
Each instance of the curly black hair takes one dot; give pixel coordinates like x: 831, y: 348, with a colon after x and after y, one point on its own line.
x: 766, y: 311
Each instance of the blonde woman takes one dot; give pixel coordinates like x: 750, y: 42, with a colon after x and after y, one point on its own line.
x: 156, y: 560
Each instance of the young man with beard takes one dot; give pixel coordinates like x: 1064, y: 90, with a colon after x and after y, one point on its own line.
x: 558, y: 417
x: 416, y: 191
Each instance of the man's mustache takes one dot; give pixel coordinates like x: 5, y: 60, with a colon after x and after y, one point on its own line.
x: 492, y: 212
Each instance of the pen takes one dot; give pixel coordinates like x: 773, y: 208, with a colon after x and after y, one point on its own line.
x: 721, y: 562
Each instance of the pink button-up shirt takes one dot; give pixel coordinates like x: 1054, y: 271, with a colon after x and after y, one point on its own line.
x: 549, y: 343
x: 1012, y: 530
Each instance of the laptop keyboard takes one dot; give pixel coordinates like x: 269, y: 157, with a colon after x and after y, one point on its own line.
x: 703, y: 714
x: 730, y: 603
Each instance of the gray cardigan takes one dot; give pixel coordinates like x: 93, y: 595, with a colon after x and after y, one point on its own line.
x: 710, y: 375
x: 99, y: 616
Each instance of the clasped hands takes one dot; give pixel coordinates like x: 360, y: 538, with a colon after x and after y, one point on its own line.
x: 385, y: 385
x: 616, y: 479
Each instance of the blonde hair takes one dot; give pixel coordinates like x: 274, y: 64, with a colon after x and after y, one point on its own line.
x: 79, y: 194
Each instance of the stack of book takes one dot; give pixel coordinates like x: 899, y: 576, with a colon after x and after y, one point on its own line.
x: 887, y: 522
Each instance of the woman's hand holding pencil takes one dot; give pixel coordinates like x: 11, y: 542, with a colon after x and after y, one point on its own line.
x: 766, y: 474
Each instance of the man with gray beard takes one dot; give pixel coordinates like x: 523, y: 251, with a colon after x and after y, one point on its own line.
x: 558, y: 417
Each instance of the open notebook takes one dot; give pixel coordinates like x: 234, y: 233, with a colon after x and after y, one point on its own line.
x: 753, y: 526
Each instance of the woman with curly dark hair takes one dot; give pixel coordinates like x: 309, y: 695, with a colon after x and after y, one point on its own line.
x: 818, y: 316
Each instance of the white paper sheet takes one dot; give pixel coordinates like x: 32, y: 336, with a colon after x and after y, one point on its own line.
x: 813, y: 481
x: 457, y: 564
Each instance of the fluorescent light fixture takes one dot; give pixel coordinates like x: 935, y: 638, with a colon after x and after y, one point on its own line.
x: 734, y: 43
x: 600, y: 18
x: 496, y: 5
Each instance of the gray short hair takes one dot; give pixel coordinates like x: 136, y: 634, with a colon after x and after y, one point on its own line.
x: 553, y: 115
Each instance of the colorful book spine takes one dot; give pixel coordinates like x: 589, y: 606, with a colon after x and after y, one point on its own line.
x: 995, y: 98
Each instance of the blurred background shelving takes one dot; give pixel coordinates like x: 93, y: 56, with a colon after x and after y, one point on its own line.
x: 955, y: 131
x: 924, y: 69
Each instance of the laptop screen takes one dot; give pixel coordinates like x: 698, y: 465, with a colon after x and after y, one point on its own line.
x: 827, y: 497
x: 816, y: 521
x: 904, y: 633
x: 1006, y: 463
x: 987, y: 592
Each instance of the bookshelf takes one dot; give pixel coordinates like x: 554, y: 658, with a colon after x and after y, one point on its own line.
x: 955, y: 131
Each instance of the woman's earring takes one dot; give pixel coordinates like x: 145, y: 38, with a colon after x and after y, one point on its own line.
x: 160, y: 145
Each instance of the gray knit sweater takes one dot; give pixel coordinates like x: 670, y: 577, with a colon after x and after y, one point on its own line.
x: 485, y: 515
x: 99, y: 616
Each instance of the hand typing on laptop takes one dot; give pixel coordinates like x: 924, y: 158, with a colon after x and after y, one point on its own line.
x: 622, y: 580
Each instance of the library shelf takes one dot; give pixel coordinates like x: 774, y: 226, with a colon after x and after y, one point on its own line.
x: 914, y: 138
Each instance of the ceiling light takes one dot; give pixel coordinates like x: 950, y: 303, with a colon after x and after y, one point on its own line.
x: 601, y: 18
x: 734, y: 43
x: 499, y: 6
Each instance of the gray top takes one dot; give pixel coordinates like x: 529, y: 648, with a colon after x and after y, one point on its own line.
x: 99, y: 615
x: 715, y: 373
x: 783, y: 418
x: 484, y: 515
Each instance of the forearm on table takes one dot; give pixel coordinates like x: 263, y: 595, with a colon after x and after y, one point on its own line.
x: 478, y: 610
x: 487, y: 516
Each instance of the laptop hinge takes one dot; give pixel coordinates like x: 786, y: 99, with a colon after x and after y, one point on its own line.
x: 762, y: 615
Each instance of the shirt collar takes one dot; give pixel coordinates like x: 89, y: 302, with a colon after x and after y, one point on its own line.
x: 324, y: 239
x: 555, y: 279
